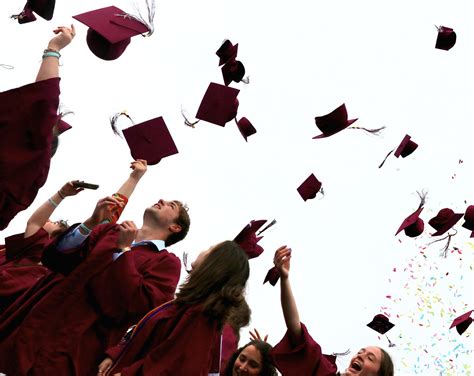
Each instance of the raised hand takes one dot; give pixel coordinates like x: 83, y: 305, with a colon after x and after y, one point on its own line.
x: 139, y: 168
x: 255, y: 335
x: 64, y: 36
x: 69, y: 189
x: 282, y: 261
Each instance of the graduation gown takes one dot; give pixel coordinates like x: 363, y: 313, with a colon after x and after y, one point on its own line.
x: 305, y: 358
x: 68, y: 329
x: 175, y: 341
x: 20, y: 269
x: 27, y: 117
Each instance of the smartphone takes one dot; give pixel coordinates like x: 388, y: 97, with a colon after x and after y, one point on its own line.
x: 81, y: 184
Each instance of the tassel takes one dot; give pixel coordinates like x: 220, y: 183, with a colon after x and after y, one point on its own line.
x: 186, y: 121
x: 381, y: 164
x: 341, y: 354
x: 245, y: 80
x: 7, y: 66
x: 422, y: 195
x: 267, y: 227
x: 185, y: 262
x: 444, y: 250
x: 148, y: 20
x: 376, y: 131
x: 64, y: 111
x: 114, y: 119
x: 390, y: 343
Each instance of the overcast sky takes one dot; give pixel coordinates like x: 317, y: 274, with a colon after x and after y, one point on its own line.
x: 304, y: 59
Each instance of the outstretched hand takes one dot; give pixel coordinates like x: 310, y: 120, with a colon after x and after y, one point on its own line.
x: 105, y: 208
x: 255, y: 335
x: 64, y: 36
x: 139, y: 168
x: 282, y: 261
x: 69, y: 189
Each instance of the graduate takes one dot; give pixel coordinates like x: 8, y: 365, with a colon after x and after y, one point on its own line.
x: 109, y: 281
x: 178, y: 337
x: 20, y: 260
x: 29, y: 126
x: 298, y: 354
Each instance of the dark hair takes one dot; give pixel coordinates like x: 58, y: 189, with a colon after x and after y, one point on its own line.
x: 218, y: 284
x: 183, y: 221
x: 268, y: 369
x: 386, y: 364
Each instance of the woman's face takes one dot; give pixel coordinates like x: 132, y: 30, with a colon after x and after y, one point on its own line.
x: 202, y: 256
x: 366, y: 362
x: 248, y: 363
x: 52, y: 227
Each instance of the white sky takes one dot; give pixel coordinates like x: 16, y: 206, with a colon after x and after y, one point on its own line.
x: 304, y: 59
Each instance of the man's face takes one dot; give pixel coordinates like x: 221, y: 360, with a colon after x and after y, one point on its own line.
x: 165, y: 212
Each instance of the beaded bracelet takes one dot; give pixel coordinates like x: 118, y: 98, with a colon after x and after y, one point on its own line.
x: 52, y: 202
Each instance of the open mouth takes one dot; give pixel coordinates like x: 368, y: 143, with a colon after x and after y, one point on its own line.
x: 356, y: 365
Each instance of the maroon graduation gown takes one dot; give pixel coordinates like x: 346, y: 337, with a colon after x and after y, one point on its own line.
x: 69, y: 328
x: 173, y: 342
x: 305, y: 358
x: 20, y: 269
x: 27, y: 117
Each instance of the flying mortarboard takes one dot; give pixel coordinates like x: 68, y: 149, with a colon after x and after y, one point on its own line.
x: 248, y: 239
x: 110, y: 31
x: 469, y: 219
x: 150, y: 140
x: 446, y: 38
x: 413, y: 225
x: 245, y: 127
x: 25, y: 16
x: 444, y: 220
x: 273, y: 275
x: 227, y: 52
x: 380, y: 324
x: 233, y: 71
x: 310, y: 187
x: 462, y: 322
x: 219, y: 104
x: 333, y: 122
x: 62, y: 126
x: 406, y: 147
x: 43, y: 8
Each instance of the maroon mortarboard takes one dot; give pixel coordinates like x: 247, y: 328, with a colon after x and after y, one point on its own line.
x: 309, y: 188
x: 469, y: 219
x: 219, y: 104
x: 227, y: 52
x: 248, y: 239
x: 413, y: 225
x: 446, y: 38
x: 380, y: 324
x: 273, y: 275
x: 406, y: 147
x: 333, y: 122
x: 25, y: 16
x: 444, y: 220
x: 110, y: 31
x: 43, y: 8
x: 246, y: 128
x: 462, y: 322
x: 150, y: 140
x: 233, y: 71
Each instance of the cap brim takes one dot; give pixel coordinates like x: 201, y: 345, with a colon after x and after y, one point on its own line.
x: 452, y: 221
x: 408, y: 221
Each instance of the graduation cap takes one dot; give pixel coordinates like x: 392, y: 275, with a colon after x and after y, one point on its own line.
x: 62, y: 126
x: 25, y: 16
x: 273, y: 275
x: 405, y: 148
x: 446, y: 38
x: 233, y: 71
x: 245, y: 127
x: 219, y: 104
x: 247, y: 238
x: 469, y: 219
x: 462, y: 322
x: 150, y: 140
x: 444, y: 220
x: 227, y: 52
x: 333, y: 122
x: 310, y: 187
x: 110, y: 31
x: 381, y: 324
x: 413, y: 225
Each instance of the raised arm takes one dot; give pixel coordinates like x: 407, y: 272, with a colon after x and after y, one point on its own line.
x: 50, y: 64
x: 139, y: 168
x: 288, y: 303
x: 42, y: 214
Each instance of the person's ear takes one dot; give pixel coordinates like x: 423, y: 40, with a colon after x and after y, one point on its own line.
x: 174, y: 227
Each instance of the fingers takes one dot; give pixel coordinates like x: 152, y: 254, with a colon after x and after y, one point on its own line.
x: 129, y: 226
x: 282, y: 255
